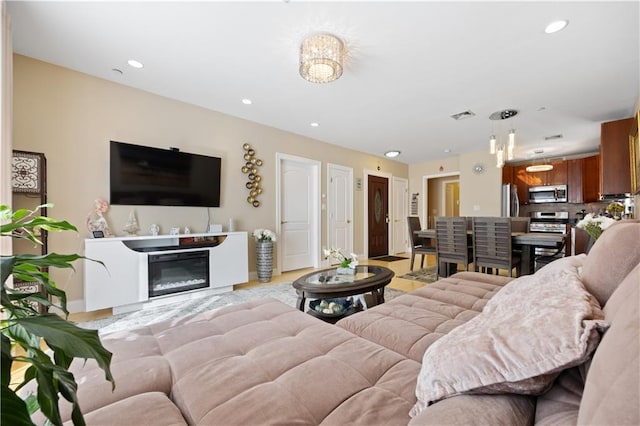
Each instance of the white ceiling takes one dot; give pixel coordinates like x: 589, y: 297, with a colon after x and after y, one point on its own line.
x: 411, y: 66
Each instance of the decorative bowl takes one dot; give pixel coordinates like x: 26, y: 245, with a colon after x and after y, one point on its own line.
x: 341, y: 306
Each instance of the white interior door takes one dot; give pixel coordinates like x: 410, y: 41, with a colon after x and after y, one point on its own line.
x: 400, y: 211
x: 298, y: 212
x: 340, y: 207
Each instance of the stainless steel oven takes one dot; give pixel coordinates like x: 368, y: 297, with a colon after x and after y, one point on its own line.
x: 548, y: 194
x: 555, y: 222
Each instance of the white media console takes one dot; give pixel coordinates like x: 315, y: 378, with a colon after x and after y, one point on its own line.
x: 139, y: 269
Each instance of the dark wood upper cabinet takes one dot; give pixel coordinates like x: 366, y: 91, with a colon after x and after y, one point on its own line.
x: 591, y: 179
x: 574, y: 181
x: 507, y: 174
x: 614, y: 157
x: 583, y: 179
x: 521, y: 179
x: 557, y: 176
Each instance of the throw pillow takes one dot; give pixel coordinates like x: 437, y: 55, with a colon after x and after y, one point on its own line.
x: 611, y: 258
x: 535, y: 327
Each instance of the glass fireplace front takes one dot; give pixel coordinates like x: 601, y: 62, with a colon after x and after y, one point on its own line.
x: 177, y: 272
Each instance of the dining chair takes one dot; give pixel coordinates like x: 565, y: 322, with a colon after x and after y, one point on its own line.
x: 419, y: 246
x: 519, y: 224
x: 452, y: 243
x: 492, y: 246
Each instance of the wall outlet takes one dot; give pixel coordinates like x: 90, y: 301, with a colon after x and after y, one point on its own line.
x: 476, y: 207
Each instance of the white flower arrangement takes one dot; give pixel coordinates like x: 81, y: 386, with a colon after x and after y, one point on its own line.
x: 595, y: 225
x: 345, y: 262
x: 264, y: 235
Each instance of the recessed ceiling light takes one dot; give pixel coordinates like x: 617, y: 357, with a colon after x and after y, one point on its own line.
x: 447, y: 150
x: 556, y: 26
x: 314, y: 124
x: 134, y: 63
x: 392, y: 154
x: 247, y: 101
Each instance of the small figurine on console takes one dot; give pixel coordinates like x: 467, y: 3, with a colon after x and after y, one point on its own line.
x: 96, y: 220
x: 131, y: 227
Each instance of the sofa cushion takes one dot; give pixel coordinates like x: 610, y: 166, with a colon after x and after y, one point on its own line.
x: 266, y: 361
x: 137, y: 367
x: 611, y: 258
x: 410, y: 323
x: 612, y: 392
x: 559, y: 406
x: 463, y: 410
x: 536, y: 326
x: 153, y: 408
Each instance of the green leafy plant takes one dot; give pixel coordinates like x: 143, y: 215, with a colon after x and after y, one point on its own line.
x: 38, y: 334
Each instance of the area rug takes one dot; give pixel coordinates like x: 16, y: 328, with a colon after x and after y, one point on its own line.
x: 425, y: 275
x: 281, y: 291
x: 389, y: 258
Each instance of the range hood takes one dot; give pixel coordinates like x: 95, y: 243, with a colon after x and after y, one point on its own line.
x: 611, y: 197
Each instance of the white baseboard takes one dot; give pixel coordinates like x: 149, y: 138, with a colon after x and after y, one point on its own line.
x: 75, y: 306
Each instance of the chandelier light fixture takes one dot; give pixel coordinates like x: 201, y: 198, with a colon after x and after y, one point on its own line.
x: 321, y: 58
x: 539, y: 168
x: 503, y: 151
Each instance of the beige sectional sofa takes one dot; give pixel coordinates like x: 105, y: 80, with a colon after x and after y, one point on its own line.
x: 267, y: 363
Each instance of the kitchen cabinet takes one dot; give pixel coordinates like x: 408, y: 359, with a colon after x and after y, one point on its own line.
x: 507, y: 174
x: 614, y: 157
x: 583, y: 179
x: 574, y: 181
x: 591, y: 179
x: 556, y: 176
x: 521, y: 179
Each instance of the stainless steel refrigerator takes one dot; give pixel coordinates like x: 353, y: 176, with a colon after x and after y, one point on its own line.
x: 510, y: 202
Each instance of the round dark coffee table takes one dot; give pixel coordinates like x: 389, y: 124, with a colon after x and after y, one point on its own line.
x: 327, y: 284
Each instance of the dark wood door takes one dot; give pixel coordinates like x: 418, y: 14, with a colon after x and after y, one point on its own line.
x: 378, y: 214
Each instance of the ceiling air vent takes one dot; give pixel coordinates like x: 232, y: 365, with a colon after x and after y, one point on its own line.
x: 463, y: 115
x: 552, y: 137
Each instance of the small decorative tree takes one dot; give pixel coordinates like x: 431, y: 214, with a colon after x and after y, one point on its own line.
x: 22, y: 325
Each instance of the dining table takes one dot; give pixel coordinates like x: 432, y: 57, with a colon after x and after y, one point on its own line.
x: 527, y: 241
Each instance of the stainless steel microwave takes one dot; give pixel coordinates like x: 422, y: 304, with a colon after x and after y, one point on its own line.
x: 548, y: 194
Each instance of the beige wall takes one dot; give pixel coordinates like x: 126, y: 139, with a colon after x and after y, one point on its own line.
x: 479, y: 193
x: 71, y: 117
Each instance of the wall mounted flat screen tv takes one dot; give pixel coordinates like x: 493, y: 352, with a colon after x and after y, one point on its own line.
x: 145, y: 176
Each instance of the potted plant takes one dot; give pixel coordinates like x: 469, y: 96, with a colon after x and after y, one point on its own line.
x: 347, y: 264
x: 24, y: 327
